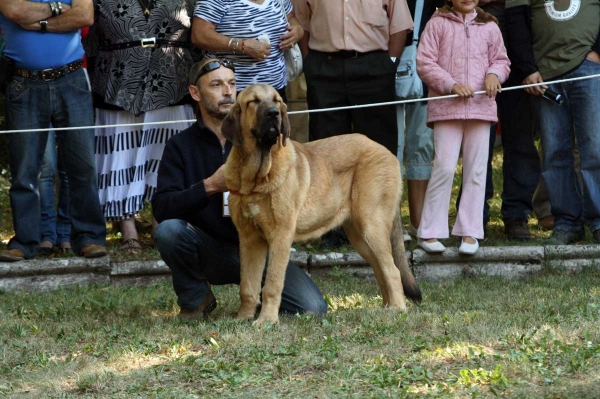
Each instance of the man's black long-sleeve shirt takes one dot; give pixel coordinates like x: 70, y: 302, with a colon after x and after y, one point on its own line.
x: 190, y: 157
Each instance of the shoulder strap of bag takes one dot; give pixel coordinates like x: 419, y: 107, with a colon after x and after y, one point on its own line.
x: 418, y: 14
x: 283, y: 9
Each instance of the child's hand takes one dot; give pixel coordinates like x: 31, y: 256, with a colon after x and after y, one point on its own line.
x: 462, y: 90
x: 492, y: 85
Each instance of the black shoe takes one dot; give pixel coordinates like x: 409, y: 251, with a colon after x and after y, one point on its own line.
x: 202, y: 311
x: 565, y: 237
x: 45, y: 251
x: 334, y: 239
x: 596, y: 235
x: 517, y: 229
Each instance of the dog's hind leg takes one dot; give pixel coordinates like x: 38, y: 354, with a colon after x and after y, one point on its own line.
x: 253, y: 255
x: 374, y: 245
x: 356, y: 238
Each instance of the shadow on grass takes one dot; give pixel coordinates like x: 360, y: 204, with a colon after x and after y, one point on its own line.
x: 529, y: 338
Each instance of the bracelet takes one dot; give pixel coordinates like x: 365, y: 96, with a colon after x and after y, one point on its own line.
x: 229, y: 44
x: 44, y: 25
x: 236, y: 44
x: 59, y: 7
x: 243, y: 49
x: 53, y: 9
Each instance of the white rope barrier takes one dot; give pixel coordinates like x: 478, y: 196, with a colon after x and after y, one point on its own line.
x: 306, y: 111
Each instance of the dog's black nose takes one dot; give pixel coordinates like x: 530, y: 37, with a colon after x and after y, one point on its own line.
x: 272, y: 113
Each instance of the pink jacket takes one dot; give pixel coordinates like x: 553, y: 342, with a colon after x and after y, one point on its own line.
x: 455, y: 51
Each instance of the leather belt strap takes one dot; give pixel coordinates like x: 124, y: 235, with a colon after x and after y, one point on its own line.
x: 50, y: 74
x: 150, y: 42
x: 351, y: 53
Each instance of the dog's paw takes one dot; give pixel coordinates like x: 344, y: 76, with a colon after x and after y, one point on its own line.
x: 265, y: 321
x: 246, y: 313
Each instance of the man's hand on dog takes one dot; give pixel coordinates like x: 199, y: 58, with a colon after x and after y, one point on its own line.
x: 215, y: 183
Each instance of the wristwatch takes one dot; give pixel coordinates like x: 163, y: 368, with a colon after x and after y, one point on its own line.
x: 44, y: 25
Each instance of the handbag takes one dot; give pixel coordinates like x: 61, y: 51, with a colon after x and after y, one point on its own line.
x: 292, y: 57
x: 408, y: 83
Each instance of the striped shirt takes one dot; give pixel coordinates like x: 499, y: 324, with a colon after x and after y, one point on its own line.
x: 246, y: 20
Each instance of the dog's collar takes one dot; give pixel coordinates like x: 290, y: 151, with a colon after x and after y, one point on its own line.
x: 238, y: 193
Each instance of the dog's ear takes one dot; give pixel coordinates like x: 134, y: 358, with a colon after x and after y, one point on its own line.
x: 285, y: 123
x: 231, y: 127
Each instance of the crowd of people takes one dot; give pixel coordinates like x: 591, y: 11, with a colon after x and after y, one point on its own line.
x: 150, y: 61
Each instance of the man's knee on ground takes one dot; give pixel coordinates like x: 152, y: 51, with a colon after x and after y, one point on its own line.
x: 168, y: 233
x: 317, y: 306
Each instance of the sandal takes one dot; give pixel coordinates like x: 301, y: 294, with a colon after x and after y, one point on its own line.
x: 131, y: 245
x: 65, y: 248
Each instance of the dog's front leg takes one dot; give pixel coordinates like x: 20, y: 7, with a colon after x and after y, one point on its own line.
x: 279, y: 257
x: 253, y: 255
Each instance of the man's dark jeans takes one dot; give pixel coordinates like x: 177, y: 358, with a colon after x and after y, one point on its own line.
x: 197, y: 260
x: 521, y: 167
x: 35, y: 104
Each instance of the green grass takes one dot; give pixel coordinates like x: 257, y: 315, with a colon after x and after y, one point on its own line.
x: 473, y: 338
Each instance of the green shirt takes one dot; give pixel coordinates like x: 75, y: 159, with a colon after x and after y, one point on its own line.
x: 563, y: 32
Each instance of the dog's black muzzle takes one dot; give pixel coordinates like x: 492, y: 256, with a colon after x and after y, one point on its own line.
x: 269, y: 127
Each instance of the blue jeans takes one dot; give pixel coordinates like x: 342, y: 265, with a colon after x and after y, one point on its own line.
x: 415, y: 140
x: 577, y: 118
x: 55, y: 226
x: 196, y: 260
x: 64, y: 102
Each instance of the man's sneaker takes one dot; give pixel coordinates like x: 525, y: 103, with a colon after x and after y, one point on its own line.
x: 334, y: 239
x: 93, y: 251
x: 11, y: 255
x: 517, y: 229
x: 565, y: 237
x: 202, y: 311
x: 405, y: 235
x: 547, y: 222
x: 596, y: 235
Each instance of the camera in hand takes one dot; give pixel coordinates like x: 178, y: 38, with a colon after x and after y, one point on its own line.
x: 553, y: 96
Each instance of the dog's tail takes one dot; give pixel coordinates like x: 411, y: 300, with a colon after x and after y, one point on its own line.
x: 411, y: 289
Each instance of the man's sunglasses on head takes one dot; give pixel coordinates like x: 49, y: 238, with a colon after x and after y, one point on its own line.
x: 211, y: 66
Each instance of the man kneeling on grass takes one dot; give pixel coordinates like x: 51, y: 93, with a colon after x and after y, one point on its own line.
x: 195, y: 236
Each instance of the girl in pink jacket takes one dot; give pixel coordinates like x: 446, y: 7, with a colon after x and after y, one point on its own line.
x: 461, y: 51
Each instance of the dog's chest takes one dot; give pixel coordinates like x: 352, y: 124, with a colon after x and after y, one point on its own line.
x: 251, y: 210
x: 256, y: 210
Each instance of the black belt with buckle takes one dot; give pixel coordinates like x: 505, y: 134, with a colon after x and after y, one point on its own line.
x: 351, y: 53
x: 50, y: 74
x: 150, y: 42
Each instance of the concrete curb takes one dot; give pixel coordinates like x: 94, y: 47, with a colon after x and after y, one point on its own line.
x: 505, y: 262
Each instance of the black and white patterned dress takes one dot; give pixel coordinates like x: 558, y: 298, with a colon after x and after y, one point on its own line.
x: 247, y: 20
x: 136, y: 85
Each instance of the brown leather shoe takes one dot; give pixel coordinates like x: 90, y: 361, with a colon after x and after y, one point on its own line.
x: 93, y: 251
x: 201, y: 312
x: 11, y: 255
x: 547, y: 222
x: 517, y: 229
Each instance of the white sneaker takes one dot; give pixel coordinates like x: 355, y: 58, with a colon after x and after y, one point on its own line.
x: 468, y: 249
x: 405, y: 235
x: 435, y: 247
